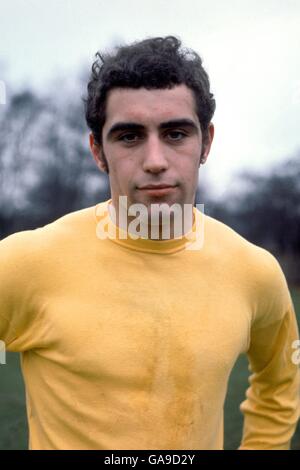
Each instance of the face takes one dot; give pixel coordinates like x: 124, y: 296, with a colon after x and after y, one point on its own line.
x: 152, y: 137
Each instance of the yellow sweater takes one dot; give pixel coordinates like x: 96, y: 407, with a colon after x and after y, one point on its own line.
x: 128, y: 344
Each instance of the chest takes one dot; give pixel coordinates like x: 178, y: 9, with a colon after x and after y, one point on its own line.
x: 167, y: 326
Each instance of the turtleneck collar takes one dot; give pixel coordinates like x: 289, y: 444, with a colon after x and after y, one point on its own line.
x: 191, y: 240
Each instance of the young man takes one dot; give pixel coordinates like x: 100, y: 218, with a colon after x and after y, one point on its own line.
x: 128, y: 341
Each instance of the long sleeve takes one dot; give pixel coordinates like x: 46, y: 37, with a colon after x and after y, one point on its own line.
x: 18, y: 319
x: 10, y: 290
x: 271, y: 408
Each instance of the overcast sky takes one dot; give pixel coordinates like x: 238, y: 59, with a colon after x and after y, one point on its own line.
x: 250, y: 48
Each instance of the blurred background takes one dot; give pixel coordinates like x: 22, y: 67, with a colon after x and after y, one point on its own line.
x: 251, y: 180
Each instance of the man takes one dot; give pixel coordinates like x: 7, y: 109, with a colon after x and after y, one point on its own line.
x: 128, y: 341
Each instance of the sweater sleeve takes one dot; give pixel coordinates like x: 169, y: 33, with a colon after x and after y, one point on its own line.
x: 271, y: 407
x: 17, y: 292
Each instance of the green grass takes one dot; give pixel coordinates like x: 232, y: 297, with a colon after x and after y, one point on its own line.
x: 13, y: 427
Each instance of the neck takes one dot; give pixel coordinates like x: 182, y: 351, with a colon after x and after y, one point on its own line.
x: 154, y: 222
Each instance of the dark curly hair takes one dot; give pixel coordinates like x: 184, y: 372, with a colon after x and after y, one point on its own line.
x: 152, y: 63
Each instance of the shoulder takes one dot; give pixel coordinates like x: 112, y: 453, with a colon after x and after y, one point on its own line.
x: 28, y: 245
x: 224, y: 238
x: 256, y: 268
x: 225, y: 242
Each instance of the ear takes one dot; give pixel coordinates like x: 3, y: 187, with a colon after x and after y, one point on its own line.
x: 96, y: 151
x: 207, y: 143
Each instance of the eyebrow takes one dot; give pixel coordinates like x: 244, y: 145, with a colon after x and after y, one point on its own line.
x: 133, y: 126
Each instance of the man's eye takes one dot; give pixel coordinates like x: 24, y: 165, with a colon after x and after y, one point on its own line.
x: 129, y: 138
x: 176, y: 135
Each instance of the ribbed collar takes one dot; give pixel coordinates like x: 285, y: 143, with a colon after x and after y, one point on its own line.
x: 191, y: 240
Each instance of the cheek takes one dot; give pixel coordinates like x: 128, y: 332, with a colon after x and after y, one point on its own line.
x: 188, y: 165
x: 188, y: 155
x: 123, y: 171
x: 189, y: 173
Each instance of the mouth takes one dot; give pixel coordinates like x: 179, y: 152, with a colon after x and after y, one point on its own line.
x: 157, y: 190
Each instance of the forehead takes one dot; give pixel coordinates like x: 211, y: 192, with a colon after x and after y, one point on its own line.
x: 150, y: 106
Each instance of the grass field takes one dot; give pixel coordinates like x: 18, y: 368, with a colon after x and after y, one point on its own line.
x: 13, y: 428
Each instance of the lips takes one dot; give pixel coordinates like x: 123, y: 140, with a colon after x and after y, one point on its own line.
x: 157, y: 190
x: 157, y: 186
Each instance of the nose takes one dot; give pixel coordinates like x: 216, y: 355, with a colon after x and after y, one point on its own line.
x: 155, y: 159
